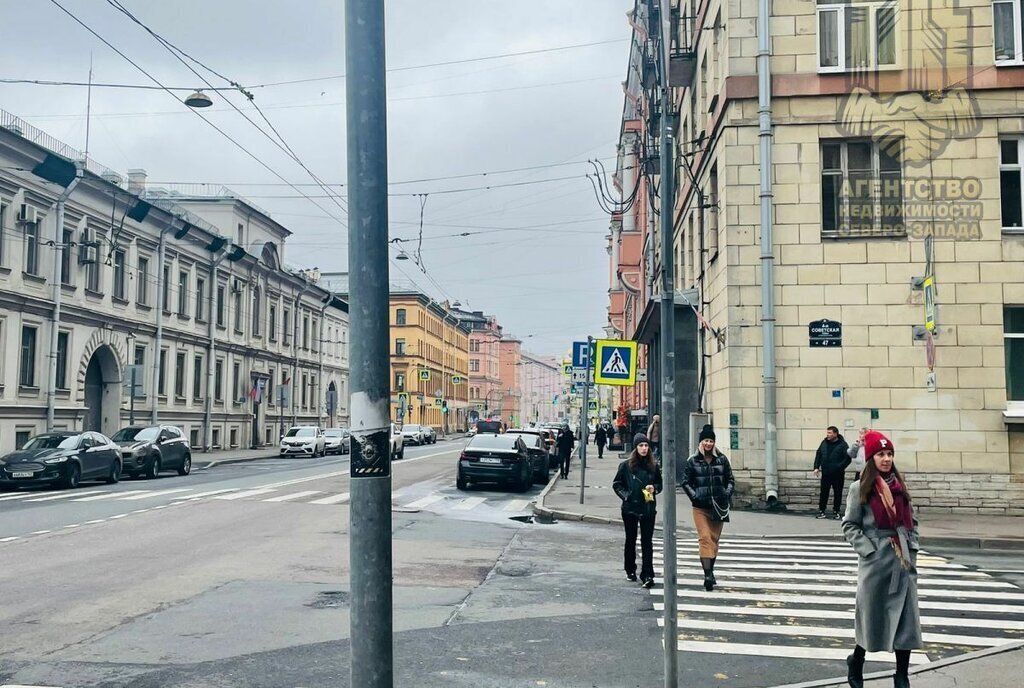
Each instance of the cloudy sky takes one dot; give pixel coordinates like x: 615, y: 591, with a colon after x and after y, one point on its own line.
x: 535, y: 256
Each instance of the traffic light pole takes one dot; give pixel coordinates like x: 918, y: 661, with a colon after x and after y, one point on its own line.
x: 370, y: 564
x: 583, y: 419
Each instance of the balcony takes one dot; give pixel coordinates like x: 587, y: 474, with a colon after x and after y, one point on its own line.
x: 682, y: 59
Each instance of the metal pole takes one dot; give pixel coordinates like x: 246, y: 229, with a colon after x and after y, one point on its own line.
x: 583, y: 421
x: 668, y: 379
x: 131, y: 400
x: 370, y: 612
x: 58, y: 293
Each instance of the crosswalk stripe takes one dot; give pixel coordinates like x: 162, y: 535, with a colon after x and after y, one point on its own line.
x: 18, y: 685
x: 247, y: 493
x: 64, y: 495
x: 294, y: 495
x: 840, y: 601
x: 156, y: 493
x: 789, y: 651
x: 333, y: 499
x: 925, y: 579
x: 516, y: 505
x: 207, y: 494
x: 426, y: 501
x: 469, y: 503
x: 817, y: 545
x: 815, y: 570
x: 732, y: 558
x: 922, y: 591
x: 106, y: 495
x: 20, y: 495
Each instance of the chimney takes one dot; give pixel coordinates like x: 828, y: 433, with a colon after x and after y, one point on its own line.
x: 112, y: 177
x: 137, y: 182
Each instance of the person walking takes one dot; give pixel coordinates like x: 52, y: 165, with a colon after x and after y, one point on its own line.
x: 880, y: 525
x: 830, y: 462
x: 709, y: 483
x: 856, y: 453
x: 636, y: 483
x: 654, y: 434
x: 566, y: 443
x: 600, y: 439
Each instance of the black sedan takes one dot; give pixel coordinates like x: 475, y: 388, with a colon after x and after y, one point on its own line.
x: 62, y: 458
x: 149, y: 449
x: 538, y: 451
x: 495, y: 459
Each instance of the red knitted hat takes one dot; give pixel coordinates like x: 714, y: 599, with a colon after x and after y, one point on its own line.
x: 875, y: 442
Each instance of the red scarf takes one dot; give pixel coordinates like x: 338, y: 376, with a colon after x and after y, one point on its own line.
x: 891, y: 505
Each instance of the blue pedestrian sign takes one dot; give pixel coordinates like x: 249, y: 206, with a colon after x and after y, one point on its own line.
x: 615, y: 362
x: 581, y: 354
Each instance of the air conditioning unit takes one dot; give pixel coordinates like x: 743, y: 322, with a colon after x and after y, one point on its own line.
x: 27, y: 214
x: 88, y: 249
x: 236, y: 285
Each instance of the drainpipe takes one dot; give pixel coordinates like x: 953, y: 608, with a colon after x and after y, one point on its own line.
x: 161, y: 258
x: 58, y: 295
x: 295, y: 344
x: 211, y: 352
x: 764, y: 115
x: 320, y: 361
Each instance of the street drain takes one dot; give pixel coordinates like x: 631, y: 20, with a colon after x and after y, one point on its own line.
x: 522, y: 519
x: 329, y: 600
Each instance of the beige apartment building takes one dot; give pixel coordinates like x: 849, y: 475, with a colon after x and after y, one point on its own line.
x: 897, y: 155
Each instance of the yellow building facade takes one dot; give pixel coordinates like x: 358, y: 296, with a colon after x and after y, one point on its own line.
x: 429, y: 363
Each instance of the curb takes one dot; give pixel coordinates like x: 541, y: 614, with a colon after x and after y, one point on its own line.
x: 243, y: 459
x: 972, y: 542
x: 921, y: 669
x: 544, y: 514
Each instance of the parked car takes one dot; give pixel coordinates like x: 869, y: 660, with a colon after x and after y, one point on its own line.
x: 471, y: 432
x: 429, y: 434
x: 304, y: 440
x: 336, y: 440
x: 549, y: 438
x: 534, y: 439
x: 413, y: 434
x: 148, y: 449
x: 62, y: 458
x: 397, y: 444
x: 494, y: 458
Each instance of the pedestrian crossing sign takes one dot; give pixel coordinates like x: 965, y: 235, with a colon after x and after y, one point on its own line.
x: 592, y: 406
x: 425, y: 375
x: 616, y: 362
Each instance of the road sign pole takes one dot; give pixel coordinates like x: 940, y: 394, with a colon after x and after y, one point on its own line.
x: 131, y: 400
x: 370, y: 564
x: 583, y: 424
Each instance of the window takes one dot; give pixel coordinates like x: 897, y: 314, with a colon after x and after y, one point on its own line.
x: 256, y: 312
x: 166, y: 289
x: 218, y: 380
x: 197, y: 377
x: 67, y: 238
x: 142, y: 282
x: 272, y: 323
x: 315, y: 329
x: 32, y: 248
x: 857, y: 34
x: 1010, y: 171
x: 119, y: 267
x: 1006, y: 30
x: 200, y: 297
x: 286, y: 330
x: 236, y: 381
x: 400, y: 347
x: 179, y: 375
x: 140, y: 358
x: 238, y: 310
x: 27, y: 375
x: 220, y: 305
x: 183, y: 279
x: 305, y: 390
x: 241, y: 234
x: 21, y: 438
x: 161, y: 383
x: 62, y: 360
x: 474, y: 365
x: 400, y: 316
x: 92, y: 271
x: 861, y: 188
x: 711, y: 217
x: 305, y: 332
x: 269, y: 393
x: 1013, y: 344
x: 399, y: 382
x: 3, y: 237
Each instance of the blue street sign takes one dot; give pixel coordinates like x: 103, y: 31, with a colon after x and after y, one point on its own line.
x: 580, y: 355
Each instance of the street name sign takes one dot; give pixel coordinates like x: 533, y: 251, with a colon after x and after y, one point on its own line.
x: 615, y: 362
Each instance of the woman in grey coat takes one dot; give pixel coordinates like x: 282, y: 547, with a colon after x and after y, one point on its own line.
x: 880, y: 525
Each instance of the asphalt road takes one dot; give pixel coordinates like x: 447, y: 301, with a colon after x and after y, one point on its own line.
x: 238, y: 576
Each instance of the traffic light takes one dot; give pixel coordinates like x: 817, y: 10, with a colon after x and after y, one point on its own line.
x: 444, y: 406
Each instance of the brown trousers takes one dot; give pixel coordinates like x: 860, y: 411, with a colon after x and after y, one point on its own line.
x: 709, y: 532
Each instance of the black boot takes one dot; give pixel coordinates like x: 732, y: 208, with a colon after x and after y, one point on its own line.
x: 855, y: 671
x: 900, y: 679
x: 709, y: 578
x: 711, y: 570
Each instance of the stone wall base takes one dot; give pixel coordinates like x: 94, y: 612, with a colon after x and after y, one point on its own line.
x: 991, y: 494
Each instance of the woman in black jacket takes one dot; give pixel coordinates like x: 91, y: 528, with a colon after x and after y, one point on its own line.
x: 636, y: 482
x: 709, y: 483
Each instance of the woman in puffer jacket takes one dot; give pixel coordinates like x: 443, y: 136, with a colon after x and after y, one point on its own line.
x: 709, y: 483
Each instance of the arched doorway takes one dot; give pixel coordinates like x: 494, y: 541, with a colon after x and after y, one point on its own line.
x: 102, y: 392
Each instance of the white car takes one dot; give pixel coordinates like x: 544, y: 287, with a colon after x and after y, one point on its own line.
x: 413, y: 434
x: 397, y: 443
x: 304, y: 440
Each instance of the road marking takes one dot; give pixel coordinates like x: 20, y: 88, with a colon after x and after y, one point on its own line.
x: 813, y: 570
x: 98, y: 520
x: 975, y: 579
x: 248, y: 493
x: 469, y: 503
x: 40, y: 532
x: 21, y: 495
x: 204, y: 494
x: 107, y: 495
x: 426, y: 501
x: 73, y: 525
x: 65, y: 495
x: 923, y: 590
x: 18, y: 685
x: 10, y: 539
x: 516, y: 505
x: 158, y: 493
x: 790, y: 651
x: 334, y: 499
x: 112, y: 518
x: 294, y: 495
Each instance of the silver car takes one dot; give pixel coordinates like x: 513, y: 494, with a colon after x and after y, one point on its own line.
x: 304, y: 440
x: 337, y: 440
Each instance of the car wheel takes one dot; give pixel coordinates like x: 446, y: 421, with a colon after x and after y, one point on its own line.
x: 73, y: 477
x: 186, y: 465
x: 115, y: 472
x: 461, y: 483
x: 153, y: 469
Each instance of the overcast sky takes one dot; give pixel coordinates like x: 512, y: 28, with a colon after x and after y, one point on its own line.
x: 547, y: 285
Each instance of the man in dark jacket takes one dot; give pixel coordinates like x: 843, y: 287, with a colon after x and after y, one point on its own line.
x: 600, y: 439
x: 830, y: 464
x: 566, y: 443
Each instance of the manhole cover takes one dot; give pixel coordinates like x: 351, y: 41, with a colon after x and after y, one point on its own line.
x: 329, y: 599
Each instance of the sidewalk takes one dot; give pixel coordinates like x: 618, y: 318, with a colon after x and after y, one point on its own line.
x: 560, y: 501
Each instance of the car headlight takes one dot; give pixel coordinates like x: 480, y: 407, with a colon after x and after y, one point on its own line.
x: 55, y: 460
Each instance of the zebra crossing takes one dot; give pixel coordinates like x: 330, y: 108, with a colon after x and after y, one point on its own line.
x: 794, y: 598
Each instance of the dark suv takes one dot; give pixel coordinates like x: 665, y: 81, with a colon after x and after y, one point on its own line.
x: 148, y: 449
x: 495, y: 459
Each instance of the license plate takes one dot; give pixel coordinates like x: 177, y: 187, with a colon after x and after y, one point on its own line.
x: 22, y: 474
x: 489, y: 459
